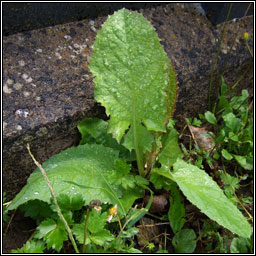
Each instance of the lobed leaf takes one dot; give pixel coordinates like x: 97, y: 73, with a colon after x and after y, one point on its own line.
x: 33, y: 246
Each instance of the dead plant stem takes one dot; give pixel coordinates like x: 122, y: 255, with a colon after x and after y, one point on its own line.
x: 54, y: 200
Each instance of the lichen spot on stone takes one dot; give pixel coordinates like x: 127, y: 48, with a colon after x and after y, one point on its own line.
x: 18, y: 86
x: 9, y: 81
x: 4, y: 125
x: 67, y: 37
x: 21, y: 112
x: 26, y: 94
x: 57, y: 54
x: 27, y: 78
x: 18, y: 127
x: 6, y: 89
x: 22, y: 63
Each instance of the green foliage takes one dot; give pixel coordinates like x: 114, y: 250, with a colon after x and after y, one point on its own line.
x: 135, y: 82
x: 210, y: 117
x: 201, y: 190
x: 34, y: 246
x: 94, y: 130
x: 53, y: 233
x: 87, y: 169
x: 36, y: 209
x: 240, y: 245
x: 124, y: 48
x: 96, y: 232
x: 234, y: 137
x: 171, y: 150
x: 184, y: 241
x: 176, y: 213
x: 210, y: 235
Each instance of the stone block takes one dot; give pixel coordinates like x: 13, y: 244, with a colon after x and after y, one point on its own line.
x: 47, y: 87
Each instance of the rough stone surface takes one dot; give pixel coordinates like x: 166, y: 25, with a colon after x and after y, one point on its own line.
x: 47, y: 86
x: 25, y: 16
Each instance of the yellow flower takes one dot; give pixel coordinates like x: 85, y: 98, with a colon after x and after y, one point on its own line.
x: 246, y: 36
x: 112, y: 213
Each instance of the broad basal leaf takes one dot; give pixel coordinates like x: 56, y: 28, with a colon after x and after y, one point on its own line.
x: 79, y: 170
x: 134, y: 78
x: 202, y: 191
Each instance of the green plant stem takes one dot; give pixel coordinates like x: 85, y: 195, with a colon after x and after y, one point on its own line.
x: 240, y: 78
x: 233, y: 190
x: 137, y: 150
x: 55, y: 200
x: 234, y: 40
x: 216, y: 57
x: 85, y: 229
x: 230, y: 51
x: 249, y: 49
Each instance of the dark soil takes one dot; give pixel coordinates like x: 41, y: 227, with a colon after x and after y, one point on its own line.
x: 18, y: 232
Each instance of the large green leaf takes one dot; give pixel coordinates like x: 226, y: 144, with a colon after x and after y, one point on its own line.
x: 134, y: 79
x: 202, y: 191
x: 79, y: 170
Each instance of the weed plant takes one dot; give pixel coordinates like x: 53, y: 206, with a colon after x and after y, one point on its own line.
x: 91, y: 194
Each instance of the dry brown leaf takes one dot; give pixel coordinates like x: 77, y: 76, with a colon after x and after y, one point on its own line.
x: 199, y: 138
